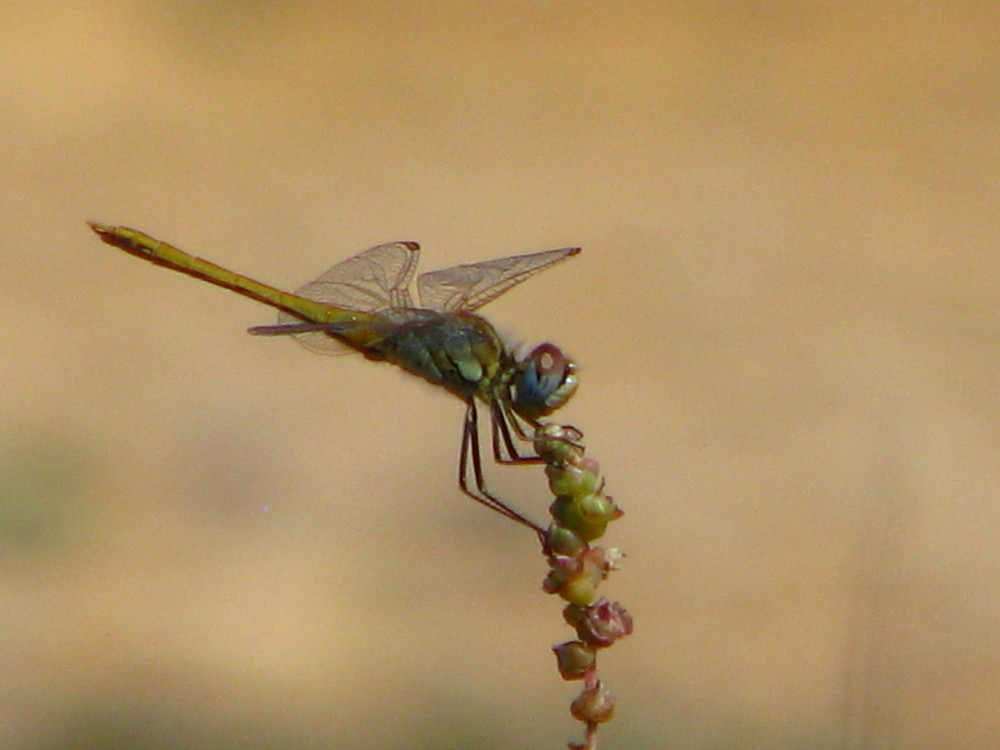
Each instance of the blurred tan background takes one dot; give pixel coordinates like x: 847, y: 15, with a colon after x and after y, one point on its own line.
x: 786, y: 315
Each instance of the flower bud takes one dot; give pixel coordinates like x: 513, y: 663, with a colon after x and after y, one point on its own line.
x: 580, y: 589
x: 587, y: 516
x: 594, y: 705
x: 574, y: 659
x: 601, y: 624
x: 562, y: 541
x: 556, y: 444
x: 573, y: 480
x: 562, y: 568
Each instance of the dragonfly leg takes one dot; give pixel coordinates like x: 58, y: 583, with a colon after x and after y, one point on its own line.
x: 500, y: 421
x: 470, y: 450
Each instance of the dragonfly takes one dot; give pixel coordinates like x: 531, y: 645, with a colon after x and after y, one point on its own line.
x: 364, y: 303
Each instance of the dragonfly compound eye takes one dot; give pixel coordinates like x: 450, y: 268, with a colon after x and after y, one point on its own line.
x: 545, y: 381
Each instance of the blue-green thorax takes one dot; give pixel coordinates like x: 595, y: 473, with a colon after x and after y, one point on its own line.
x: 463, y: 352
x: 460, y: 350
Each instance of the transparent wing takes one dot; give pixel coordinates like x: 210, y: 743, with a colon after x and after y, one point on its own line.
x: 373, y: 280
x: 469, y: 287
x: 376, y: 279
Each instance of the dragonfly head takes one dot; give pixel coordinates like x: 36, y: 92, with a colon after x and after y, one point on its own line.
x: 544, y: 381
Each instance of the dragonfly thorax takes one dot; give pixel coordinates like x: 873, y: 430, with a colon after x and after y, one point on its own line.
x: 460, y: 351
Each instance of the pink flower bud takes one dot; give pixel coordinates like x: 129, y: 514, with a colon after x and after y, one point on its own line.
x: 601, y: 624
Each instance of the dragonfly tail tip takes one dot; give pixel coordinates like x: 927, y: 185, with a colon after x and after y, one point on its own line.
x: 103, y: 230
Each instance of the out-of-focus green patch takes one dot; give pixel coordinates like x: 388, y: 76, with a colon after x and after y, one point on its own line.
x: 127, y: 726
x: 130, y: 728
x: 41, y: 482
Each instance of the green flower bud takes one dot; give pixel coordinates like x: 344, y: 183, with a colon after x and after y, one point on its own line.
x: 562, y: 541
x: 574, y: 659
x: 573, y: 480
x: 580, y: 589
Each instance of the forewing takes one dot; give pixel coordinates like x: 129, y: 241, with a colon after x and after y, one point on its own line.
x: 373, y: 280
x: 470, y: 286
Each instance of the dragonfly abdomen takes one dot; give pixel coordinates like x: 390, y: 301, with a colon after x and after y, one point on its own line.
x: 459, y: 351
